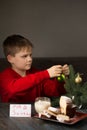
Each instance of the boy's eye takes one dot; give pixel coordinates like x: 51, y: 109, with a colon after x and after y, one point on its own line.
x: 30, y: 55
x: 24, y: 56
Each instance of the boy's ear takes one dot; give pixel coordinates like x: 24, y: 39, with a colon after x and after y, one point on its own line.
x: 10, y: 58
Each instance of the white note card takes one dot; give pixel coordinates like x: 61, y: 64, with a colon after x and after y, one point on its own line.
x: 20, y: 110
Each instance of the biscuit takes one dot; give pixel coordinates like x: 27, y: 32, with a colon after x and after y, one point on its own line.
x: 54, y: 110
x: 62, y: 118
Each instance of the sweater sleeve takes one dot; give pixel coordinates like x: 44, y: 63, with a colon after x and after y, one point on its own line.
x: 14, y: 84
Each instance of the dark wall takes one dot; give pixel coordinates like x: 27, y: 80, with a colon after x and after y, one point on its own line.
x: 57, y: 28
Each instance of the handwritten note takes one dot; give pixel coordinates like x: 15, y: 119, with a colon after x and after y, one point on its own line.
x: 20, y: 110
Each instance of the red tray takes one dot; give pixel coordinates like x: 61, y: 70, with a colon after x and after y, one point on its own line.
x: 78, y: 117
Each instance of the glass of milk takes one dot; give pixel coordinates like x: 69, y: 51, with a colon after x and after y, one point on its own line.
x: 41, y: 104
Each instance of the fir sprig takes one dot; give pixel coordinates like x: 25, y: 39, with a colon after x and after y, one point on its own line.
x: 76, y: 90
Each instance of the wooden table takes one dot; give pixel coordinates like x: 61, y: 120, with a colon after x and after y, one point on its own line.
x: 16, y: 123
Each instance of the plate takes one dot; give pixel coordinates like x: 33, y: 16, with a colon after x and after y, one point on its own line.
x: 78, y: 117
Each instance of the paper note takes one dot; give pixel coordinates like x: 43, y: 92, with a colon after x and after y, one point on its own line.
x: 20, y: 110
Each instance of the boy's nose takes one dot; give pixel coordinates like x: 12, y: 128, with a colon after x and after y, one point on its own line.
x: 29, y: 58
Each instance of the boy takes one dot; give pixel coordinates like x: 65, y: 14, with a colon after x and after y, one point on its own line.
x: 22, y: 83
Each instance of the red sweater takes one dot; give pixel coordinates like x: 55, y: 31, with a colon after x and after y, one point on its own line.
x: 14, y: 88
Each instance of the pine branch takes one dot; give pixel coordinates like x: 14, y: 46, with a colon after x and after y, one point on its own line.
x: 76, y: 90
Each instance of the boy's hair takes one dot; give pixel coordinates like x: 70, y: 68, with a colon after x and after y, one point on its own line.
x: 14, y: 43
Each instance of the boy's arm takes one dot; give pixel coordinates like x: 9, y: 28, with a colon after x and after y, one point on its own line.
x: 14, y: 83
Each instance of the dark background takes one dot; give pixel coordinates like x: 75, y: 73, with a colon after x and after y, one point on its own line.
x: 57, y: 28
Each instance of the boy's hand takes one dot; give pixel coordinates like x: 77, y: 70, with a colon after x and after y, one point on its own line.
x: 55, y: 71
x: 65, y: 69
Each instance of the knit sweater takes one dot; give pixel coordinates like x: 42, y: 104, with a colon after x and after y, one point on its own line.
x: 17, y: 89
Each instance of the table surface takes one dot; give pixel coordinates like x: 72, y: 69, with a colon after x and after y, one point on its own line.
x: 31, y: 123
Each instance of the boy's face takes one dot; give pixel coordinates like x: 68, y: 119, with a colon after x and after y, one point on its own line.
x: 22, y: 60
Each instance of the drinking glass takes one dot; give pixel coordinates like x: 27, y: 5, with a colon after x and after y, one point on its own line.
x: 41, y: 104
